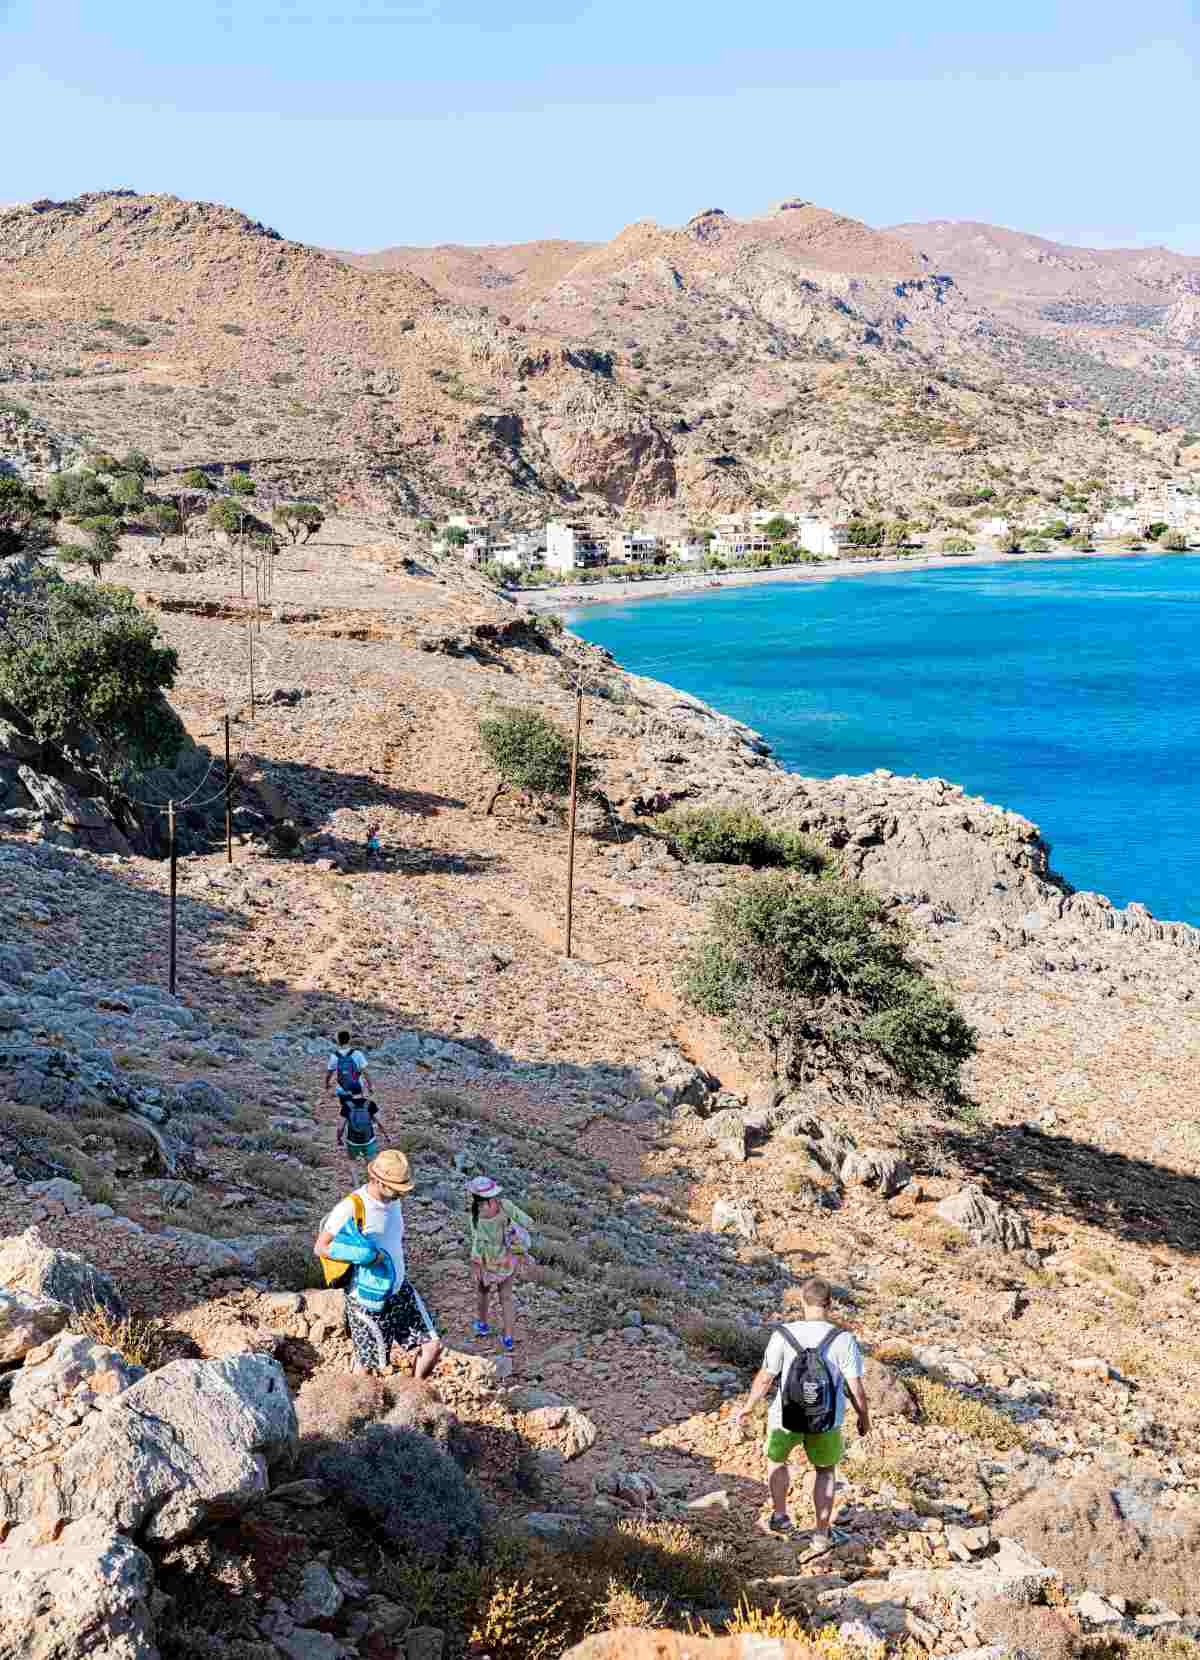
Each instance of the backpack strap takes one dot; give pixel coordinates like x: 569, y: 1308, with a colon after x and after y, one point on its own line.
x: 782, y: 1331
x: 360, y: 1210
x: 823, y: 1346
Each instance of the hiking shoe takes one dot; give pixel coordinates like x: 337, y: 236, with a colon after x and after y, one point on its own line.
x: 781, y: 1526
x: 507, y: 1342
x: 482, y: 1329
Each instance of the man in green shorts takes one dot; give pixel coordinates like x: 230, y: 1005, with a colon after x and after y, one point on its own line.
x: 844, y: 1359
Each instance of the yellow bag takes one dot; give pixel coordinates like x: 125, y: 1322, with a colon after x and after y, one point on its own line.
x: 333, y: 1269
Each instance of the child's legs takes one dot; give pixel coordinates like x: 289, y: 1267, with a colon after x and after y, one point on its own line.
x: 505, y: 1289
x: 481, y: 1300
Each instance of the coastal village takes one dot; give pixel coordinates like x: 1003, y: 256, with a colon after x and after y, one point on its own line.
x: 1128, y: 510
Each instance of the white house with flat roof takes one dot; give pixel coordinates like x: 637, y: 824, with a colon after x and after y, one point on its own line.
x: 572, y: 546
x: 635, y: 547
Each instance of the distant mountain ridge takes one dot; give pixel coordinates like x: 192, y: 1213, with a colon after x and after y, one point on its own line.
x: 799, y: 359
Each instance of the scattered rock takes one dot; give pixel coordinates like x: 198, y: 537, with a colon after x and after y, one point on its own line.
x: 85, y: 1593
x: 28, y: 1264
x: 872, y: 1167
x: 986, y: 1221
x: 734, y: 1215
x: 27, y: 1322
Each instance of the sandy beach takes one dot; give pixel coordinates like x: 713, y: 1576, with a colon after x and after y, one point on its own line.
x: 622, y: 591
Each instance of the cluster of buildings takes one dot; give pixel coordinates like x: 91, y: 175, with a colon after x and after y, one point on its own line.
x: 1139, y: 506
x: 564, y: 545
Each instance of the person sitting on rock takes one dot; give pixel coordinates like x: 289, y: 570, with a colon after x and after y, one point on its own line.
x: 809, y: 1406
x: 403, y: 1319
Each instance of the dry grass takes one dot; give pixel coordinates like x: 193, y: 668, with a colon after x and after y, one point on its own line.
x: 550, y: 1212
x: 570, y: 1258
x: 451, y: 1103
x: 138, y: 1341
x: 968, y: 1417
x: 92, y: 1177
x: 280, y: 1179
x: 872, y: 1473
x: 666, y: 1558
x: 643, y: 1282
x: 1079, y: 1530
x: 1039, y: 1633
x: 28, y: 1122
x: 308, y: 1152
x: 415, y: 1142
x: 626, y: 1605
x: 894, y: 1354
x: 737, y: 1345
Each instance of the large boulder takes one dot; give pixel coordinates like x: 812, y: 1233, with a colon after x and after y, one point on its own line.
x: 986, y: 1221
x: 887, y: 1394
x: 87, y: 817
x: 86, y: 1593
x: 191, y: 1444
x: 873, y: 1167
x: 28, y: 1264
x: 736, y: 1216
x: 77, y: 1368
x: 26, y: 1323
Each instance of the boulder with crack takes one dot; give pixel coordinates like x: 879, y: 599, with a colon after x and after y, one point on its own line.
x: 986, y: 1221
x: 85, y: 1593
x: 191, y: 1444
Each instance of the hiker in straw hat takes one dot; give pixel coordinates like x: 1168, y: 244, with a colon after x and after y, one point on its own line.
x: 403, y: 1318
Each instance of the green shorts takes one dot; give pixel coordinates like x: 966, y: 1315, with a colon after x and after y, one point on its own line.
x: 357, y: 1149
x: 822, y: 1451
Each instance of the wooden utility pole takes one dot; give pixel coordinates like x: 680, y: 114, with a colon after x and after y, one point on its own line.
x: 250, y: 661
x: 228, y: 799
x: 174, y: 890
x: 571, y: 826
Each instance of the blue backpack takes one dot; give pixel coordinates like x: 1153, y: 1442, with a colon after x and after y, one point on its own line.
x: 374, y: 1272
x: 348, y: 1076
x: 359, y: 1128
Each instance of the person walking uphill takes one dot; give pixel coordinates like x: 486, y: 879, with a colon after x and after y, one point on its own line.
x: 815, y: 1365
x: 382, y: 1305
x: 498, y: 1234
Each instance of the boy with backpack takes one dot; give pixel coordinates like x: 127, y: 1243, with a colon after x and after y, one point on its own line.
x: 348, y: 1066
x: 815, y: 1364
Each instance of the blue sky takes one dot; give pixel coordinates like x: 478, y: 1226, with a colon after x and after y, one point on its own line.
x: 362, y: 123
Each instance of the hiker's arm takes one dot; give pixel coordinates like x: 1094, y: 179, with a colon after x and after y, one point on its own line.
x: 858, y: 1395
x: 328, y: 1078
x: 366, y: 1082
x: 324, y: 1241
x: 762, y: 1386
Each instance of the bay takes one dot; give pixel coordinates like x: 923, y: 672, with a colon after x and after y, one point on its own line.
x: 1066, y: 690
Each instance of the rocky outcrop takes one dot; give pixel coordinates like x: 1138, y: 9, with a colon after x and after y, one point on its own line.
x: 190, y: 1444
x: 872, y: 1167
x: 85, y: 1593
x: 26, y: 1323
x: 28, y: 1265
x: 987, y: 1222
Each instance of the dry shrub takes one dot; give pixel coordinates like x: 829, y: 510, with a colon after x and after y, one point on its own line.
x: 894, y: 1354
x: 666, y: 1558
x: 335, y: 1407
x: 412, y: 1493
x: 308, y: 1152
x: 1038, y: 1633
x: 575, y: 1262
x: 415, y: 1142
x: 871, y: 1473
x: 737, y: 1345
x: 279, y: 1179
x: 450, y: 1103
x: 538, y: 1274
x: 31, y: 1122
x: 643, y: 1282
x: 92, y: 1177
x: 523, y: 1620
x: 290, y: 1264
x: 138, y: 1341
x: 1110, y: 1535
x: 550, y: 1212
x: 625, y: 1605
x: 968, y: 1417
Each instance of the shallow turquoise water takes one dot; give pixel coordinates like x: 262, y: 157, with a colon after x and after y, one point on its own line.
x: 1066, y: 690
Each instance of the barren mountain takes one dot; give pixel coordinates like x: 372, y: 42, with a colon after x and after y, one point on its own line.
x: 794, y: 360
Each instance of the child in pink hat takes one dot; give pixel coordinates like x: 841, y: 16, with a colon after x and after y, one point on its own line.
x: 498, y: 1235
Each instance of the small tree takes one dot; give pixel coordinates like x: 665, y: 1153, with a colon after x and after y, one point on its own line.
x: 1157, y: 529
x: 128, y: 491
x: 817, y: 974
x: 241, y: 484
x: 530, y: 753
x: 956, y: 544
x: 777, y: 529
x: 164, y: 518
x: 227, y: 515
x: 103, y: 541
x: 455, y: 537
x: 24, y: 524
x: 85, y: 667
x: 78, y: 495
x: 299, y: 517
x: 863, y: 533
x: 137, y: 463
x: 1174, y: 541
x: 197, y: 479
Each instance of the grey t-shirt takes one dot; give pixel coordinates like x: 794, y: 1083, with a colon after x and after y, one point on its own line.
x: 844, y: 1358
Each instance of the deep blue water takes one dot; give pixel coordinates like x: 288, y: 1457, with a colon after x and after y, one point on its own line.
x: 1067, y: 690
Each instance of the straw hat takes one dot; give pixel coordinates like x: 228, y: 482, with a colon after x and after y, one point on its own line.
x: 391, y: 1169
x: 483, y: 1187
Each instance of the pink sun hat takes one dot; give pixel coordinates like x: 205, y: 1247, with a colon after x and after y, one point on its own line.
x: 483, y: 1187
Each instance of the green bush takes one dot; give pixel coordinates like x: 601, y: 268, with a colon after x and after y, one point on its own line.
x: 290, y: 1264
x: 530, y: 753
x: 416, y: 1497
x: 736, y: 836
x: 85, y: 667
x: 956, y: 544
x: 277, y: 1178
x: 299, y: 517
x: 23, y: 522
x: 817, y: 974
x: 1174, y: 541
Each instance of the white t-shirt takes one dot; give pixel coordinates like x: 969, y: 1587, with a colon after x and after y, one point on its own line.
x: 382, y: 1224
x: 356, y: 1055
x: 843, y: 1356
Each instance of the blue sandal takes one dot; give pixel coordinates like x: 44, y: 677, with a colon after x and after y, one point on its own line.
x: 507, y: 1342
x: 482, y: 1329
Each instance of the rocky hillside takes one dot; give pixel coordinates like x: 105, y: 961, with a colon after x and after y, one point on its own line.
x: 189, y: 1462
x: 800, y: 360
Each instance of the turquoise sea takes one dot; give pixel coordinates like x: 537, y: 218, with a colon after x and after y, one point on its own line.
x: 1064, y: 689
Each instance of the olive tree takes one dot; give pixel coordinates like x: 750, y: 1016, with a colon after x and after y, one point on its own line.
x: 530, y: 753
x: 817, y: 974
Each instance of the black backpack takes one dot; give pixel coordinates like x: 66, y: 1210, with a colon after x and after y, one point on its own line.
x: 359, y: 1128
x: 809, y: 1391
